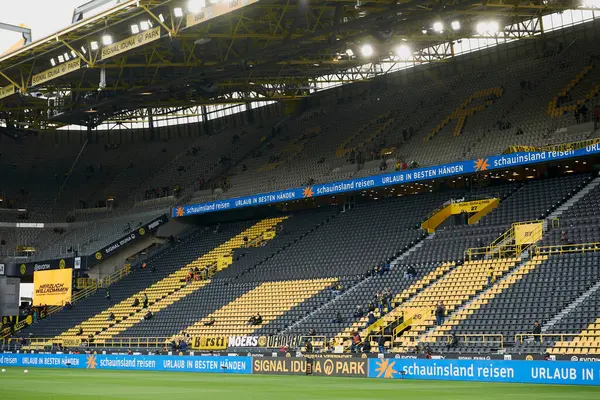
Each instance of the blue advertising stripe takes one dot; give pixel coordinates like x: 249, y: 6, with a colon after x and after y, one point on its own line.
x: 394, y: 178
x: 547, y: 372
x: 220, y: 364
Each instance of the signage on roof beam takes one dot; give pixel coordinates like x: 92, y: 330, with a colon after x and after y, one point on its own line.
x: 216, y: 10
x: 131, y: 42
x: 491, y: 163
x: 56, y: 72
x: 7, y: 91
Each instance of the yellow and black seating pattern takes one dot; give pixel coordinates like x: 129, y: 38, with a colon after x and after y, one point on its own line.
x: 166, y: 291
x: 270, y: 300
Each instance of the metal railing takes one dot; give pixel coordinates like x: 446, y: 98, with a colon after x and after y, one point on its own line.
x: 134, y: 342
x: 523, y: 337
x: 105, y: 282
x: 566, y: 248
x: 497, y: 338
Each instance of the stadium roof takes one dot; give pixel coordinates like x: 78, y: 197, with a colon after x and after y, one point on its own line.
x: 163, y: 53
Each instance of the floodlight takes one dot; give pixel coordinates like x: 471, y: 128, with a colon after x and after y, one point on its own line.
x: 135, y: 29
x: 52, y: 62
x: 161, y: 18
x: 83, y: 50
x: 366, y: 50
x: 349, y: 53
x: 66, y: 55
x: 403, y: 52
x: 455, y: 25
x: 73, y: 54
x: 107, y: 40
x: 424, y: 31
x: 94, y: 45
x: 438, y: 27
x: 144, y: 25
x: 493, y: 27
x: 61, y: 59
x: 178, y: 12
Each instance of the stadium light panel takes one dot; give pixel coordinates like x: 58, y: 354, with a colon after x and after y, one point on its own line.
x: 161, y: 18
x: 438, y: 27
x: 424, y: 31
x: 94, y: 45
x: 66, y: 56
x: 83, y: 50
x: 195, y: 6
x: 455, y: 25
x: 61, y: 59
x: 135, y: 29
x: 52, y: 62
x: 349, y: 53
x: 144, y: 25
x: 107, y: 40
x: 73, y: 54
x: 178, y: 12
x: 366, y: 50
x: 403, y: 52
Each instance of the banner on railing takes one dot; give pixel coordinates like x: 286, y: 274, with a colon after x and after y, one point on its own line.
x: 528, y: 233
x: 547, y: 372
x: 234, y: 365
x: 53, y: 287
x: 396, y: 178
x: 209, y: 343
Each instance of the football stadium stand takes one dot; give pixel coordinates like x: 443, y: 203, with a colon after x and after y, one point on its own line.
x: 385, y: 267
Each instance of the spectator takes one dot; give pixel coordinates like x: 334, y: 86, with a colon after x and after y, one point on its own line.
x: 453, y: 342
x: 312, y: 332
x: 355, y: 343
x: 111, y: 317
x: 563, y: 237
x: 440, y: 312
x: 259, y: 319
x: 136, y: 302
x: 80, y: 331
x: 490, y: 275
x: 145, y: 300
x: 371, y: 319
x: 308, y: 348
x: 411, y: 272
x: 359, y: 312
x: 537, y: 331
x: 366, y: 348
x: 108, y: 295
x: 148, y: 315
x: 338, y: 318
x: 381, y: 344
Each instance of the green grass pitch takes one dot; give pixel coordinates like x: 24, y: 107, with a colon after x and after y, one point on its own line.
x: 64, y: 384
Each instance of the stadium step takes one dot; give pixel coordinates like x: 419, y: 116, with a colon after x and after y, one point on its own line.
x: 437, y: 332
x: 270, y: 300
x: 168, y: 290
x: 454, y: 289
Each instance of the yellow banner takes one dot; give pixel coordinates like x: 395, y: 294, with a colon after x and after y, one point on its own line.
x: 209, y: 343
x: 212, y: 11
x: 131, y: 43
x: 55, y: 72
x: 528, y: 233
x: 7, y: 91
x: 52, y: 287
x: 470, y: 207
x: 71, y: 342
